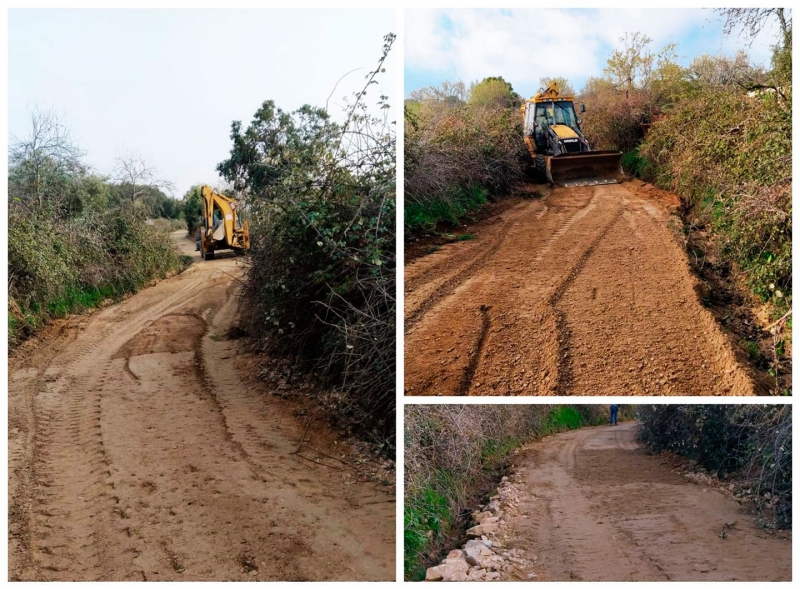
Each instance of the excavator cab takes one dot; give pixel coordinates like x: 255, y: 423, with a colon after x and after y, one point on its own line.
x: 222, y: 226
x: 561, y: 153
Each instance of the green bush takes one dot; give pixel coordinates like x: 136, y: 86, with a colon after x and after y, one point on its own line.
x: 729, y: 154
x: 320, y: 283
x: 58, y: 267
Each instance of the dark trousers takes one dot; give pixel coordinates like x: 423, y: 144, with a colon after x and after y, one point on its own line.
x: 614, y: 416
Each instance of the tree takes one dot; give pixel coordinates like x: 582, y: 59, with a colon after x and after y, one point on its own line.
x: 136, y: 177
x: 45, y: 157
x: 720, y: 71
x: 751, y: 21
x: 193, y: 208
x: 454, y: 93
x: 630, y: 67
x: 564, y: 86
x: 492, y: 91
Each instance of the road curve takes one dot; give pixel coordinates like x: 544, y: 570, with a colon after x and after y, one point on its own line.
x: 137, y: 451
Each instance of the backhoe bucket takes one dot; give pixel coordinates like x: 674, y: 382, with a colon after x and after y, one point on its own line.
x: 585, y: 169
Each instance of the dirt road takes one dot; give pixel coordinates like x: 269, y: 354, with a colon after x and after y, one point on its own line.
x: 595, y: 507
x: 139, y: 450
x: 583, y: 292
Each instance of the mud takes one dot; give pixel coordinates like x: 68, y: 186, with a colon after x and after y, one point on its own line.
x: 586, y: 291
x: 595, y: 507
x: 140, y: 448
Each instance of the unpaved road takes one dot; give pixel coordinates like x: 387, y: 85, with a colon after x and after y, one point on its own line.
x: 583, y: 292
x: 138, y: 452
x: 596, y: 507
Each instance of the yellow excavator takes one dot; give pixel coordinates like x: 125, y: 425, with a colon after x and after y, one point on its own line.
x: 222, y: 227
x: 561, y: 154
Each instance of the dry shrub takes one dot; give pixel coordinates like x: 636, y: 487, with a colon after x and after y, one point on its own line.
x: 451, y: 148
x: 614, y: 118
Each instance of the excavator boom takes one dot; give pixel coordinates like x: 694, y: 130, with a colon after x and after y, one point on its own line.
x: 222, y: 227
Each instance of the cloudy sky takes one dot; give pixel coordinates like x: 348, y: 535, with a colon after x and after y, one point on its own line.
x: 166, y: 84
x: 524, y: 45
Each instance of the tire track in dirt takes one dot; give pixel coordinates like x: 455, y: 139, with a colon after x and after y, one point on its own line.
x: 67, y: 456
x: 596, y: 507
x: 142, y: 453
x: 592, y: 293
x: 424, y: 289
x: 505, y: 284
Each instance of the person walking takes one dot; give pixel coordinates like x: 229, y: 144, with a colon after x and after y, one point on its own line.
x: 614, y: 412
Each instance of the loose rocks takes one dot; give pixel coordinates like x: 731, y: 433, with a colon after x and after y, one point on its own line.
x: 483, y: 557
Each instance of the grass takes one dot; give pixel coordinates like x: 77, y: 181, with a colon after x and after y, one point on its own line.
x: 426, y: 215
x: 426, y: 516
x: 562, y: 419
x: 466, y: 237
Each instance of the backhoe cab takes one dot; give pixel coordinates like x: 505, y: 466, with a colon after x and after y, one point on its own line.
x: 560, y: 152
x: 222, y: 227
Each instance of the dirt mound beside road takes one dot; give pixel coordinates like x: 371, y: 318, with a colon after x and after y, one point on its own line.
x: 581, y: 292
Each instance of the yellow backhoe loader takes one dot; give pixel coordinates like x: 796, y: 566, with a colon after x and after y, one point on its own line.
x: 561, y: 154
x: 222, y: 227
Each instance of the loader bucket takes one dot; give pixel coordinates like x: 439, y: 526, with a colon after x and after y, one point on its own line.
x: 585, y: 169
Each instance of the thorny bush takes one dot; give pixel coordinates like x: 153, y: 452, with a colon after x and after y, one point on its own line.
x: 452, y: 149
x: 320, y: 285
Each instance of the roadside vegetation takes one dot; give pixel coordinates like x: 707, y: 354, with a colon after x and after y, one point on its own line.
x: 77, y: 238
x: 750, y: 445
x: 463, y: 147
x: 320, y: 286
x: 718, y: 134
x: 454, y: 454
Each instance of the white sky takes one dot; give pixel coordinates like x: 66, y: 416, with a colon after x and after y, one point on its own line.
x: 524, y: 45
x: 166, y: 84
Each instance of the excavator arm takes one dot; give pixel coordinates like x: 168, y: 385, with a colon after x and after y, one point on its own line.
x: 221, y: 227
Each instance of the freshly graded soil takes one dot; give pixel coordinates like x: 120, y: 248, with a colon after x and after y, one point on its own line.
x: 594, y: 506
x: 586, y: 291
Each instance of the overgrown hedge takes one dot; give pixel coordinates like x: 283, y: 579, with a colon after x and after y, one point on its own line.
x: 753, y: 442
x: 60, y: 266
x: 729, y: 155
x: 320, y: 287
x: 452, y: 457
x: 458, y: 154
